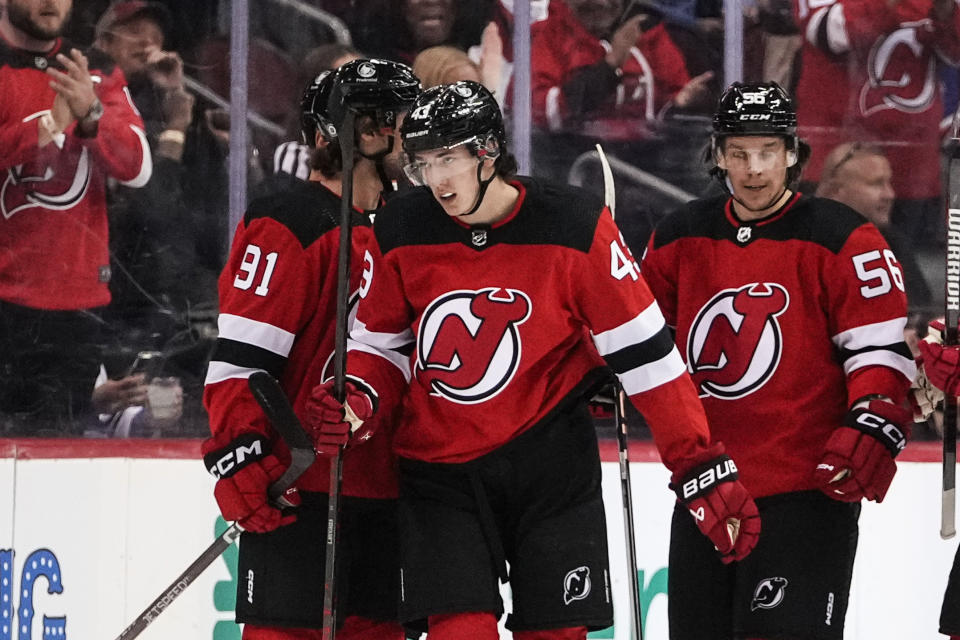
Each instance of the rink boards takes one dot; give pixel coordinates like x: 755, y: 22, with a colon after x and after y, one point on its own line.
x: 91, y: 532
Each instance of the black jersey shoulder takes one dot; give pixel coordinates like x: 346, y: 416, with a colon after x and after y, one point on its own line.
x: 22, y: 59
x: 307, y: 209
x: 550, y: 214
x: 821, y: 221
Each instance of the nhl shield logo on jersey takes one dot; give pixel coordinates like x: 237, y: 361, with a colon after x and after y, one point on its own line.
x: 769, y: 593
x: 468, y: 345
x: 576, y: 585
x: 735, y: 341
x: 35, y: 184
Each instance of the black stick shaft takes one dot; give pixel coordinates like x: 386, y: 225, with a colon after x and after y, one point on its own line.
x: 626, y: 493
x: 277, y: 408
x: 950, y: 318
x: 339, y: 374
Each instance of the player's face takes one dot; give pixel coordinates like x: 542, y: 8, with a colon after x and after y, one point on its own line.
x: 598, y: 16
x: 39, y: 19
x: 865, y: 184
x: 756, y: 167
x: 132, y: 43
x: 451, y: 175
x: 431, y: 21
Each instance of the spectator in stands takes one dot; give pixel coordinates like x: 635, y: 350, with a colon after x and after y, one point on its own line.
x: 606, y: 70
x: 293, y: 157
x: 859, y: 176
x: 65, y: 127
x: 869, y: 74
x: 445, y: 65
x: 164, y: 273
x: 414, y: 25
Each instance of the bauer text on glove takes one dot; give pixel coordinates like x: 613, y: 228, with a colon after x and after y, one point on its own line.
x: 721, y: 506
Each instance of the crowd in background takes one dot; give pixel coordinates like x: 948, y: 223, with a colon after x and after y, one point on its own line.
x: 875, y: 83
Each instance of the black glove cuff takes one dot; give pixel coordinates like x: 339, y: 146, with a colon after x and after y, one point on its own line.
x: 705, y: 477
x: 889, y: 433
x: 242, y: 451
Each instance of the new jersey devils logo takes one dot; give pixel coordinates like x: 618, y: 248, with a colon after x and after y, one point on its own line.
x: 735, y: 344
x: 35, y: 184
x: 468, y: 347
x: 893, y: 79
x: 576, y: 585
x: 769, y: 593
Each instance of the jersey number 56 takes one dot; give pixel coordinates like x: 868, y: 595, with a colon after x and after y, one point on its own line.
x: 875, y: 269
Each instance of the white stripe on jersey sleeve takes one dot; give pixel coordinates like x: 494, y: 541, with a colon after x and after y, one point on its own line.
x: 653, y: 374
x: 634, y: 331
x: 378, y: 340
x: 838, y: 41
x: 883, y: 358
x: 875, y: 337
x: 878, y: 334
x: 256, y: 333
x: 219, y: 371
x: 398, y: 360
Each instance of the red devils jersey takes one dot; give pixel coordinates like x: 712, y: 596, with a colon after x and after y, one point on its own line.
x: 487, y: 331
x: 277, y: 313
x: 869, y: 73
x: 53, y: 227
x: 652, y: 74
x: 783, y: 324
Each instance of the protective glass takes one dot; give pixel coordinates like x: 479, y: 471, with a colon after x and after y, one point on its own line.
x: 443, y: 166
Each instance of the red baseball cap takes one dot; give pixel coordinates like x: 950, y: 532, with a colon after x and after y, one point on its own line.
x: 121, y: 12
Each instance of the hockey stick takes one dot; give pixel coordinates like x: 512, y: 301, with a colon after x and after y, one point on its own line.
x: 277, y: 409
x: 950, y: 317
x: 626, y: 493
x: 329, y: 629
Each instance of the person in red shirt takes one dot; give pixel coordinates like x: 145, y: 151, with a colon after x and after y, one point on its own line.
x: 598, y: 75
x: 277, y: 313
x: 869, y: 75
x: 491, y: 308
x: 66, y: 126
x: 789, y: 311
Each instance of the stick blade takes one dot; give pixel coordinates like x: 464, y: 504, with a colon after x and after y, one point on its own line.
x: 948, y: 515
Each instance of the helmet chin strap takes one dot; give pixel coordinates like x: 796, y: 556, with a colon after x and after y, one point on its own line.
x: 773, y: 201
x: 377, y: 159
x: 482, y: 191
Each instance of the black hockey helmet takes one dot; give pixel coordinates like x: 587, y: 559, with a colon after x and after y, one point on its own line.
x: 313, y: 110
x: 755, y: 109
x: 379, y: 88
x: 449, y: 115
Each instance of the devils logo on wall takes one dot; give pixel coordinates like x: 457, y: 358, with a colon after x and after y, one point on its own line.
x: 735, y: 342
x: 468, y: 347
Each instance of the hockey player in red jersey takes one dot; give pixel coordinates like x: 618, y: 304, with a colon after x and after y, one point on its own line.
x: 66, y: 126
x: 938, y: 373
x: 277, y: 313
x: 492, y: 307
x: 789, y: 311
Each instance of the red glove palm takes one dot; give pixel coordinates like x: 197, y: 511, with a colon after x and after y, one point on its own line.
x: 333, y: 424
x: 941, y: 364
x: 245, y: 469
x: 721, y: 507
x: 858, y: 460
